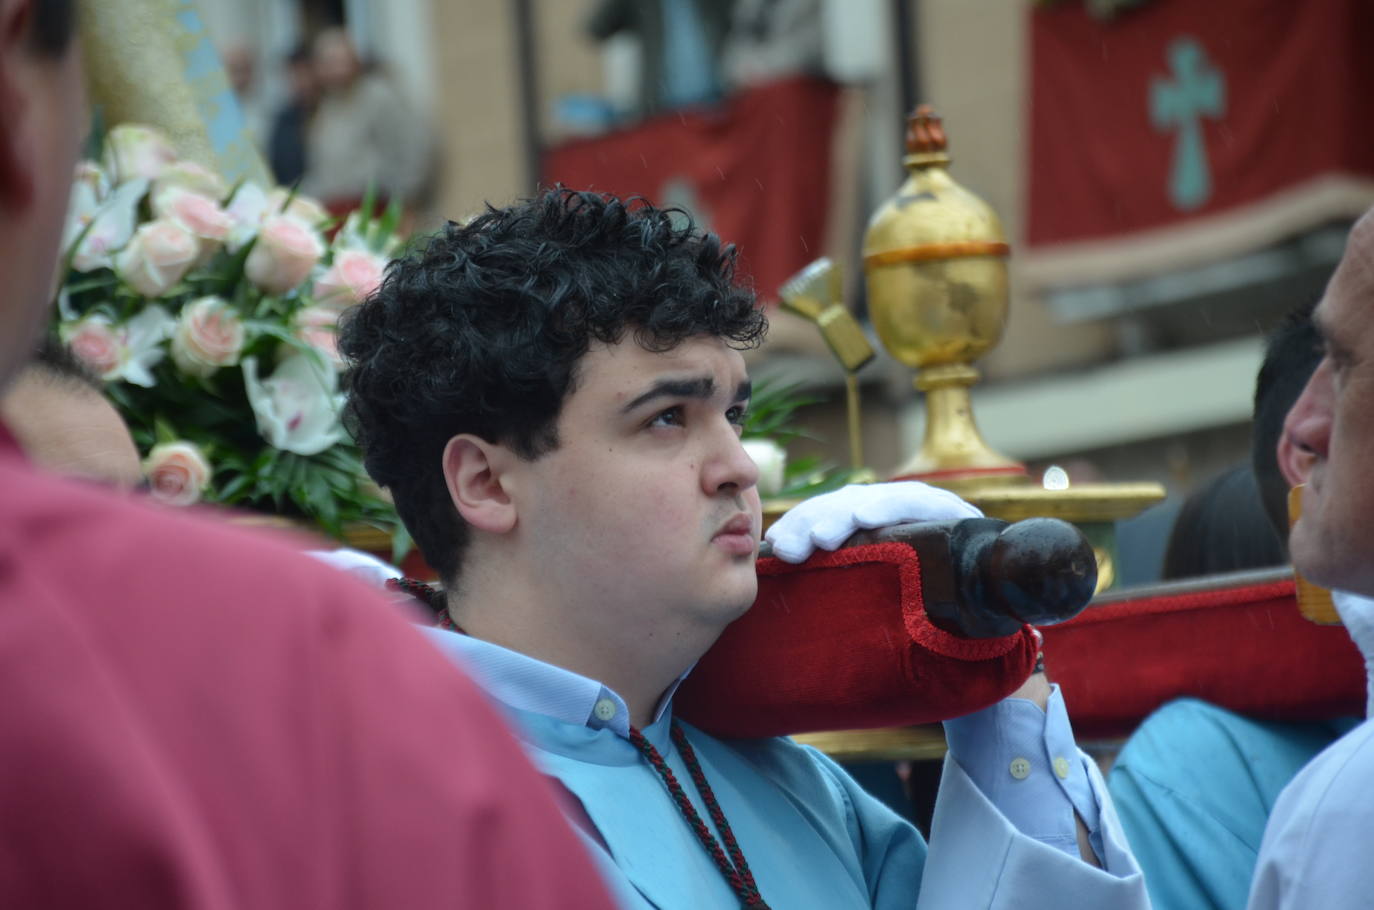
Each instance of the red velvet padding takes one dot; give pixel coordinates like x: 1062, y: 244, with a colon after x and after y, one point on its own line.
x: 1244, y: 648
x: 842, y: 642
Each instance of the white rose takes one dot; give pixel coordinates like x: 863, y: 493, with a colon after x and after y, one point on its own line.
x: 279, y: 200
x: 100, y: 222
x: 771, y: 459
x: 297, y: 409
x: 157, y: 257
x: 133, y: 150
x: 285, y: 252
x: 177, y: 473
x: 209, y: 335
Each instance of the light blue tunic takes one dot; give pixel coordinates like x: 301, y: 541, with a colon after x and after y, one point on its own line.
x: 1194, y: 787
x: 812, y: 837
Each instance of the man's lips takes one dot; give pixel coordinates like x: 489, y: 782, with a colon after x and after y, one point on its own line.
x: 736, y: 536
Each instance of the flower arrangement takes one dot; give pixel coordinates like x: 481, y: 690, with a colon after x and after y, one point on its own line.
x: 210, y: 313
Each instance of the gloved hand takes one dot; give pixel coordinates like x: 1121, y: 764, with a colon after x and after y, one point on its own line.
x: 1358, y: 615
x: 826, y: 521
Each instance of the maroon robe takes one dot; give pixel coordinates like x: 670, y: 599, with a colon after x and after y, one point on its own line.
x: 194, y: 717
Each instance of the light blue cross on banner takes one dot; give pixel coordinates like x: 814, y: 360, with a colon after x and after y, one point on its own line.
x: 1196, y: 90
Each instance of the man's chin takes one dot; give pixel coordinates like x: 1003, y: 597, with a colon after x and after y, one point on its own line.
x: 1326, y: 563
x: 738, y: 602
x: 1309, y: 555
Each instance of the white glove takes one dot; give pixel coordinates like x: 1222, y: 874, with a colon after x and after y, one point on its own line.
x: 1358, y: 615
x: 826, y: 521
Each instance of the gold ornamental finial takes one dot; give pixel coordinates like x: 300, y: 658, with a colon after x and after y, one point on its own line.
x: 935, y: 257
x: 925, y: 137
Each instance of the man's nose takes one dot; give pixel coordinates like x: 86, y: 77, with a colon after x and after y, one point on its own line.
x: 729, y: 465
x: 1308, y: 425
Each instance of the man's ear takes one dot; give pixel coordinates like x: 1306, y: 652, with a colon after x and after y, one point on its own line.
x: 16, y: 175
x: 474, y: 470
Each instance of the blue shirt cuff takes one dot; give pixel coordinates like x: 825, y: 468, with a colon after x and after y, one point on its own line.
x: 1026, y: 762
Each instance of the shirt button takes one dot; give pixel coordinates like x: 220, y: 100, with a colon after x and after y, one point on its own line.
x: 1061, y: 767
x: 604, y: 709
x: 1020, y: 768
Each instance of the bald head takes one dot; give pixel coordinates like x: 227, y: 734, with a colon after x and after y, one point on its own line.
x: 66, y: 425
x: 1332, y: 423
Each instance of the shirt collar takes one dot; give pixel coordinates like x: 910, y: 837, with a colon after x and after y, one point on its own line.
x: 528, y: 684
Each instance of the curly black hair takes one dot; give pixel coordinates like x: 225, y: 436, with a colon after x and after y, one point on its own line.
x: 481, y: 330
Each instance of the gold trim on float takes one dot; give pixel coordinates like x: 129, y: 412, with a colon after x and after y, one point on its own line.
x: 885, y: 744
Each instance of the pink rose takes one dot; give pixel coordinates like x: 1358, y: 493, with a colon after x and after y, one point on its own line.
x: 318, y: 327
x: 177, y: 473
x: 209, y: 335
x: 354, y: 275
x: 157, y: 257
x: 285, y: 252
x: 198, y: 214
x: 96, y: 343
x: 302, y: 207
x: 134, y: 150
x: 191, y: 176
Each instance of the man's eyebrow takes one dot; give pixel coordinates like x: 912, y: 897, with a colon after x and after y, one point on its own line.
x: 699, y: 387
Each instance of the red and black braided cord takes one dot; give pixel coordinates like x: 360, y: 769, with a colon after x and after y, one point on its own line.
x: 735, y: 868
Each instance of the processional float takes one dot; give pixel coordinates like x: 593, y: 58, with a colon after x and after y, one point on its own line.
x: 911, y: 624
x: 923, y: 625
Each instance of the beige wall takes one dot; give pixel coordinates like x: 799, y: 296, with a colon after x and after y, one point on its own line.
x: 479, y: 94
x: 477, y: 105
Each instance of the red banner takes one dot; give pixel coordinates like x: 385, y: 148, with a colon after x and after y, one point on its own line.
x: 1178, y: 112
x: 755, y: 170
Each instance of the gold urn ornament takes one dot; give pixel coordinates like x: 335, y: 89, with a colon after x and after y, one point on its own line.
x: 936, y: 263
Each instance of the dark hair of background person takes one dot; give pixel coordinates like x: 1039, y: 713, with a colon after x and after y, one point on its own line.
x: 480, y: 331
x: 1239, y: 519
x: 1291, y: 355
x: 54, y: 359
x: 1222, y: 527
x: 299, y: 54
x: 52, y: 26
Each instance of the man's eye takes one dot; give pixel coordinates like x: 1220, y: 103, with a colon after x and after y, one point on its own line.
x: 736, y: 414
x: 669, y: 418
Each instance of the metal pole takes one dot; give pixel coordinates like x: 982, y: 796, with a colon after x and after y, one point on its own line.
x: 527, y: 62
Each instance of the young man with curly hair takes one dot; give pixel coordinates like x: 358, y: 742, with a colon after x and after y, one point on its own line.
x: 553, y: 393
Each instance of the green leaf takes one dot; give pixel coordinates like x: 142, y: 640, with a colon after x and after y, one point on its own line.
x: 164, y: 431
x: 369, y: 203
x: 233, y: 490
